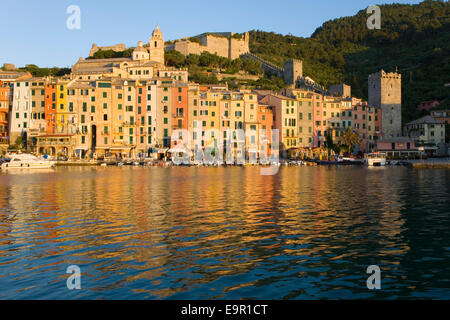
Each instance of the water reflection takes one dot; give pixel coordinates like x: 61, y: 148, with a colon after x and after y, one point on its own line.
x: 226, y: 233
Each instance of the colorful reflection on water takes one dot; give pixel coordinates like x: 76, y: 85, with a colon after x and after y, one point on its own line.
x: 225, y: 233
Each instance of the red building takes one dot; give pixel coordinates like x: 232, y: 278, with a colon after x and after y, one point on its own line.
x: 4, y: 111
x: 50, y: 107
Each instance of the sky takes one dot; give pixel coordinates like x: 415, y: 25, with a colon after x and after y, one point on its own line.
x: 35, y: 32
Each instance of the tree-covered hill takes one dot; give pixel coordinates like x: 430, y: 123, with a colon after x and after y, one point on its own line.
x: 413, y: 38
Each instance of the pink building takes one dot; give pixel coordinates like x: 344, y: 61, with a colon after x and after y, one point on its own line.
x: 320, y: 121
x: 427, y: 105
x: 398, y: 147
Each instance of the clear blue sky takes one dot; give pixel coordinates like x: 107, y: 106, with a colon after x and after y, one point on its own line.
x: 35, y: 31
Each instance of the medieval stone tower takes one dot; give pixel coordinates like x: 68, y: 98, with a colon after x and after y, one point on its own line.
x: 156, y: 46
x: 293, y: 69
x: 385, y: 92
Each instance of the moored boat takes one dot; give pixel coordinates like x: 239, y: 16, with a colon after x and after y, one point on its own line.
x: 375, y: 159
x: 26, y: 161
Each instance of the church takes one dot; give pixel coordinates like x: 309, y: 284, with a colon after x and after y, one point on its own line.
x: 146, y: 62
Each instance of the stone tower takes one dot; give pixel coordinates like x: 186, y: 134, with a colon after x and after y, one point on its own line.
x: 385, y: 92
x: 292, y: 70
x: 156, y: 46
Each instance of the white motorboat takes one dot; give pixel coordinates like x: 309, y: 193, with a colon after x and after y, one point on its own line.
x: 26, y: 161
x: 376, y: 159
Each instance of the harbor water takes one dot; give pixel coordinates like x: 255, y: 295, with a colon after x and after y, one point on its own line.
x: 225, y: 233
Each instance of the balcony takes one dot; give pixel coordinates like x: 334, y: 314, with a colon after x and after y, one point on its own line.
x: 178, y: 115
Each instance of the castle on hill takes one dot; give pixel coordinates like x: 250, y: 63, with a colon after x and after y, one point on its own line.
x: 224, y: 44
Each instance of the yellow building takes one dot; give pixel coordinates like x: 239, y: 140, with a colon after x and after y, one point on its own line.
x: 285, y: 112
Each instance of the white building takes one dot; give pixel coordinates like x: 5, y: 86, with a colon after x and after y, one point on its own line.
x: 21, y: 110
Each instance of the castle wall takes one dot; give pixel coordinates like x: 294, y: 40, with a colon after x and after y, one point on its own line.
x: 219, y: 45
x: 224, y: 46
x: 117, y: 48
x: 238, y: 47
x: 187, y: 47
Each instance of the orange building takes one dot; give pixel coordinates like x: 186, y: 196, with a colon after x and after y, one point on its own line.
x: 4, y: 110
x: 265, y: 120
x: 180, y: 107
x: 50, y: 106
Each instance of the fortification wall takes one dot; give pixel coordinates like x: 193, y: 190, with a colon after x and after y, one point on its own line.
x: 118, y: 47
x: 239, y: 46
x: 219, y: 45
x: 222, y: 44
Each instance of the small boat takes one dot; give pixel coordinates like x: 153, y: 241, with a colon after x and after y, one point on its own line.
x: 376, y: 159
x: 104, y: 165
x: 26, y: 161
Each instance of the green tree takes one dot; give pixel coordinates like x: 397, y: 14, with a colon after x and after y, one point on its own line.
x: 350, y: 139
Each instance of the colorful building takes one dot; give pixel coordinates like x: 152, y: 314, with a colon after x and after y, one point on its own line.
x: 5, y: 92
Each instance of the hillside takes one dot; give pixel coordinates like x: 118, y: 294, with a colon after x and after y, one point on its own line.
x: 413, y: 38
